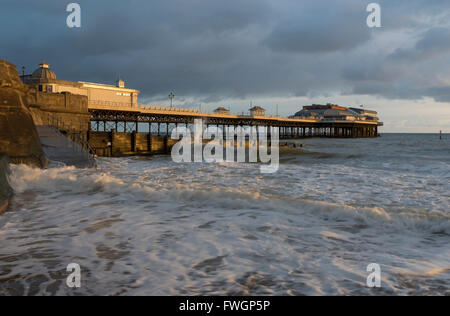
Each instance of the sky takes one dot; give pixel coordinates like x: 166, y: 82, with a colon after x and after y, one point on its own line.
x: 279, y: 54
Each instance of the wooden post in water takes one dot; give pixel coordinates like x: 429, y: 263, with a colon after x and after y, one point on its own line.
x: 133, y: 142
x: 149, y: 141
x: 111, y: 144
x: 440, y: 134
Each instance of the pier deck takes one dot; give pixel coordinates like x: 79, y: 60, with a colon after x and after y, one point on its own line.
x: 289, y: 127
x: 123, y: 130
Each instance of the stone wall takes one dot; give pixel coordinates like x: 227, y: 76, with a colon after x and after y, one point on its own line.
x: 70, y: 110
x: 18, y: 136
x: 114, y: 144
x: 158, y: 144
x: 100, y: 141
x: 5, y: 189
x: 122, y: 144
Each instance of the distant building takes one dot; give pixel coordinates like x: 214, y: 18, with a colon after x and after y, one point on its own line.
x: 329, y: 106
x: 332, y: 112
x: 257, y: 111
x: 221, y: 110
x: 368, y: 115
x: 44, y: 79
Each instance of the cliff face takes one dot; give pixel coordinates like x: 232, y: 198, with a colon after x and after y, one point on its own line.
x: 18, y: 136
x: 5, y: 189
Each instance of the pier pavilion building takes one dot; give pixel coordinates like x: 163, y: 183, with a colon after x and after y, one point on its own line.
x: 336, y: 113
x: 43, y: 79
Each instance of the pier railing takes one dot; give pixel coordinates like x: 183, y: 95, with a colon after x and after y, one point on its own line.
x: 113, y: 105
x: 163, y: 108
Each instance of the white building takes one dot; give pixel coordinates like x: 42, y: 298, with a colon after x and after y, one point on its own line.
x: 44, y: 79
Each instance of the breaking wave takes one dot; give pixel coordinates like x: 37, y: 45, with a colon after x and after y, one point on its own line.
x: 74, y: 181
x: 143, y: 226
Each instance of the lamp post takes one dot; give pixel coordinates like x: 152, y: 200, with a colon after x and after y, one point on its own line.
x: 171, y: 97
x: 23, y: 74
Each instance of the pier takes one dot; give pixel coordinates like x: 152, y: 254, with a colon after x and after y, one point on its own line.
x: 129, y: 130
x: 107, y: 120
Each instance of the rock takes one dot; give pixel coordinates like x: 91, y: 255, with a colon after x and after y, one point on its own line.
x: 5, y: 189
x: 18, y: 136
x: 9, y: 76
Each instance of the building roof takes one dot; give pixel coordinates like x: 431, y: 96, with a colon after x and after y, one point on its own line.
x: 44, y: 72
x: 336, y: 112
x: 257, y: 108
x: 329, y: 110
x: 363, y: 111
x: 106, y: 87
x: 324, y: 107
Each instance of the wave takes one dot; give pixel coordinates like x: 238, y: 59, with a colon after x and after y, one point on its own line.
x: 69, y: 180
x: 300, y: 152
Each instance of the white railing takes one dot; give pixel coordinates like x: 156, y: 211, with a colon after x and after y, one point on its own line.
x: 167, y: 109
x: 110, y: 103
x: 141, y: 106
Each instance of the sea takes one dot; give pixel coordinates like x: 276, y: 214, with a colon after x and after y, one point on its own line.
x: 150, y: 226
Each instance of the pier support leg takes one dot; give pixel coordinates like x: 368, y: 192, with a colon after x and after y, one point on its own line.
x: 133, y: 141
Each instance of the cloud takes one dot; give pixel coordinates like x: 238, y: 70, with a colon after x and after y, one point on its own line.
x: 210, y: 51
x: 440, y: 93
x: 435, y: 42
x: 321, y: 27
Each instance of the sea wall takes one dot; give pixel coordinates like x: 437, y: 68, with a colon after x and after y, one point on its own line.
x: 63, y: 109
x: 112, y: 144
x: 5, y: 188
x: 18, y: 135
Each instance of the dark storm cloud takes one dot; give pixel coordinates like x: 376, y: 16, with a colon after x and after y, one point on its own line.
x: 435, y: 42
x: 321, y: 26
x: 214, y: 50
x: 440, y: 94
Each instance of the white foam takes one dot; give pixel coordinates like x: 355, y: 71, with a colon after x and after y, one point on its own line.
x: 228, y: 197
x: 154, y: 227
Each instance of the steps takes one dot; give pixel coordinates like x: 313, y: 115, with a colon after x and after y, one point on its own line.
x: 60, y: 148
